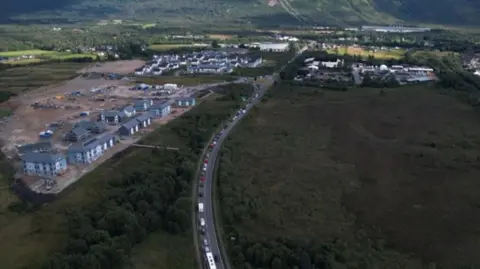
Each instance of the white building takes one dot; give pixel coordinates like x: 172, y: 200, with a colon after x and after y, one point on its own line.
x: 278, y: 47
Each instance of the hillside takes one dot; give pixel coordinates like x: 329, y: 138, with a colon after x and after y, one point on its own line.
x: 256, y: 12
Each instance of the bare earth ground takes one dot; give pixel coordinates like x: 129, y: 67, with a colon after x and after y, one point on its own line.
x: 119, y: 67
x: 27, y: 122
x: 404, y: 166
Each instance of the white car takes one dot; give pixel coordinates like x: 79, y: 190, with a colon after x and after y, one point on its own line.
x: 202, y: 222
x: 205, y: 241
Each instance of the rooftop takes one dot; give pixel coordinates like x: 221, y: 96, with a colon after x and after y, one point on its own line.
x: 90, y: 144
x: 40, y: 146
x: 143, y: 117
x: 42, y: 157
x: 130, y: 124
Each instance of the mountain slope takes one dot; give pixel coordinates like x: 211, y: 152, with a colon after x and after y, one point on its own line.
x: 280, y: 12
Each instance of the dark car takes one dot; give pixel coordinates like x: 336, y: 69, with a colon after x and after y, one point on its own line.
x: 200, y: 194
x: 215, y: 257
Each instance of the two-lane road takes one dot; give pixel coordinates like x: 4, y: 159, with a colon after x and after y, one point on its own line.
x: 210, y: 231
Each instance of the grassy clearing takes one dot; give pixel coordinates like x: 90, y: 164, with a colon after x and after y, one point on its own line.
x: 381, y: 175
x: 428, y: 54
x: 379, y: 54
x: 43, y: 56
x: 31, y: 237
x: 20, y: 79
x: 25, y: 52
x: 186, y: 80
x: 220, y: 36
x: 166, y: 47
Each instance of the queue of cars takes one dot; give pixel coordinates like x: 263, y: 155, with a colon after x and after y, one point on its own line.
x: 203, y: 177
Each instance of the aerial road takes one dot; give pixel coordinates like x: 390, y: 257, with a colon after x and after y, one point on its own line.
x: 209, y: 238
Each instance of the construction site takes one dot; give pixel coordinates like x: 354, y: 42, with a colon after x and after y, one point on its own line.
x: 48, y: 114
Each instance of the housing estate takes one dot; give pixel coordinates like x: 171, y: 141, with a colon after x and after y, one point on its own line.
x: 198, y: 62
x: 275, y: 47
x: 44, y: 164
x: 116, y: 116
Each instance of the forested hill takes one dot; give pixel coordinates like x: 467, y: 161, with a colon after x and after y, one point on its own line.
x: 257, y: 12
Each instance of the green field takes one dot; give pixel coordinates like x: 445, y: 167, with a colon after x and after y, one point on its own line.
x: 375, y: 180
x: 44, y: 56
x: 379, y: 54
x: 31, y: 237
x: 20, y: 79
x: 25, y: 52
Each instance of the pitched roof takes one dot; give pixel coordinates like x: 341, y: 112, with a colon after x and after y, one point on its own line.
x: 129, y: 109
x: 141, y: 102
x: 160, y: 106
x: 89, y: 125
x: 79, y: 131
x: 90, y: 144
x: 42, y: 157
x: 40, y: 146
x: 111, y: 113
x: 143, y: 117
x: 186, y: 99
x: 130, y: 124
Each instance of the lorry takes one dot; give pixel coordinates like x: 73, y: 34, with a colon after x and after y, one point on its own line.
x: 200, y: 207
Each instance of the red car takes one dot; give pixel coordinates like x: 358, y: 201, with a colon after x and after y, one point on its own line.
x: 202, y: 179
x: 206, y: 161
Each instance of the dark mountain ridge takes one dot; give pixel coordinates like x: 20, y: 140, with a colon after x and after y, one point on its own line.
x: 257, y: 12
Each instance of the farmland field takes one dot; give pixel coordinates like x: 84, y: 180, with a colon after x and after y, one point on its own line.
x: 43, y: 56
x: 380, y: 54
x: 220, y: 36
x: 20, y: 79
x: 25, y: 52
x: 381, y: 180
